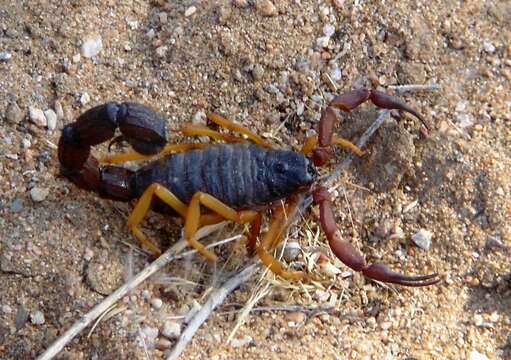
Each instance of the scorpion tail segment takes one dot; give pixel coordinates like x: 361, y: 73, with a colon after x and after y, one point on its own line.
x: 352, y: 258
x: 142, y: 127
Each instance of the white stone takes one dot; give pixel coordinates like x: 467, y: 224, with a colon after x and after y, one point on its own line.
x: 476, y: 355
x: 37, y: 318
x: 422, y: 239
x: 156, y: 303
x: 36, y: 115
x: 488, y: 47
x: 171, y: 329
x: 150, y: 333
x: 323, y: 41
x: 92, y: 45
x: 51, y: 119
x: 190, y: 11
x: 84, y: 99
x: 38, y: 194
x: 328, y: 30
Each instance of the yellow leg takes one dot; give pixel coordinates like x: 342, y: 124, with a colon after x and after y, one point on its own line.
x: 278, y: 225
x: 230, y: 125
x: 200, y: 130
x: 310, y: 144
x: 193, y: 218
x: 134, y: 156
x: 142, y: 208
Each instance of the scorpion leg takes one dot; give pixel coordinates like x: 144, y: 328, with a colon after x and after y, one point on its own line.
x: 193, y: 217
x: 352, y: 258
x: 253, y: 233
x: 278, y: 225
x: 312, y: 141
x: 201, y: 130
x: 135, y: 156
x: 231, y: 125
x: 143, y: 206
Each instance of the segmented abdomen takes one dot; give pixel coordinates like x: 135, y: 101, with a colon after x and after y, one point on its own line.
x: 236, y: 174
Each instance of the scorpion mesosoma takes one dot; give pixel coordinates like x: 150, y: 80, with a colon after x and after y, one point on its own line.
x: 235, y: 180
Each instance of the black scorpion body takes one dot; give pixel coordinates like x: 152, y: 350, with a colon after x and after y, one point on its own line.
x: 240, y: 175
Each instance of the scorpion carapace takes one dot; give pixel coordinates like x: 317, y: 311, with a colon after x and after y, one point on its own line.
x: 237, y: 180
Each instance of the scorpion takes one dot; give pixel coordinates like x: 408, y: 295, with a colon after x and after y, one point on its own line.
x: 237, y: 178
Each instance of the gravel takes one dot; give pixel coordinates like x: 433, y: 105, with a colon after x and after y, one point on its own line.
x: 422, y: 239
x: 37, y: 318
x: 14, y: 115
x: 171, y: 329
x: 38, y: 194
x: 36, y: 115
x: 51, y: 119
x: 92, y: 45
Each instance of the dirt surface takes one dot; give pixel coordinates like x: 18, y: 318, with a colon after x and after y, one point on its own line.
x: 272, y: 69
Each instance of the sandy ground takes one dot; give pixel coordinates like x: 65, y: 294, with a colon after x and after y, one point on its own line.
x: 272, y: 69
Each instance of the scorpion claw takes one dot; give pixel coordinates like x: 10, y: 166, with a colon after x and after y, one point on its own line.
x: 382, y: 273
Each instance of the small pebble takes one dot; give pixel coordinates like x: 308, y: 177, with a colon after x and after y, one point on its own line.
x: 199, y: 118
x: 478, y: 320
x: 51, y: 119
x: 146, y: 295
x: 36, y: 115
x: 257, y: 72
x: 422, y: 239
x: 328, y: 30
x: 6, y: 309
x: 37, y: 318
x: 21, y: 317
x: 25, y: 143
x: 475, y: 355
x: 488, y: 47
x: 156, y: 303
x: 171, y: 329
x: 14, y: 115
x: 38, y: 194
x: 494, y: 317
x: 323, y: 41
x: 59, y: 110
x: 92, y: 45
x: 190, y: 11
x: 17, y: 205
x: 245, y: 340
x: 5, y: 56
x: 84, y: 99
x: 464, y: 120
x: 240, y: 3
x: 336, y: 74
x: 162, y: 344
x: 291, y: 251
x: 76, y: 58
x: 266, y: 8
x: 161, y: 51
x: 150, y: 333
x: 88, y: 254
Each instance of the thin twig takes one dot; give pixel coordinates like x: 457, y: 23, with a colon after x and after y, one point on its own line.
x: 400, y: 89
x: 165, y: 259
x: 216, y: 298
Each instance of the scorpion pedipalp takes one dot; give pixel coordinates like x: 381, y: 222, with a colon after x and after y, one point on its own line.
x: 352, y: 257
